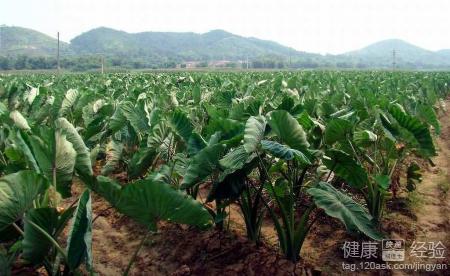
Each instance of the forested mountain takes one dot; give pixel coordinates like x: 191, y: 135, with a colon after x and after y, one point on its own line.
x: 22, y: 48
x: 23, y: 41
x: 213, y: 45
x: 407, y: 55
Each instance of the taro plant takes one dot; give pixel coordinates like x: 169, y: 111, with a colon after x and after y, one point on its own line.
x: 23, y: 201
x: 46, y: 160
x: 291, y: 145
x: 367, y: 152
x: 294, y: 179
x: 32, y: 198
x: 276, y: 150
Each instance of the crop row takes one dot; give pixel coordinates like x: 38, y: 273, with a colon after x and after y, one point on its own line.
x: 294, y: 146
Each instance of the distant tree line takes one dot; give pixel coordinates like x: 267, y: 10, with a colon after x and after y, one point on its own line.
x: 93, y: 62
x: 79, y: 63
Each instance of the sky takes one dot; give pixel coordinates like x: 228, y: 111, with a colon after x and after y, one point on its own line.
x: 319, y: 26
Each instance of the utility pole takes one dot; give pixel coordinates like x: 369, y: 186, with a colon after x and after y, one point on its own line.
x: 103, y: 62
x: 393, y: 60
x: 247, y: 62
x: 290, y: 59
x: 57, y: 56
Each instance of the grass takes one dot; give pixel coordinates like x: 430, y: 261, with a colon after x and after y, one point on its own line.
x: 444, y: 186
x: 415, y: 200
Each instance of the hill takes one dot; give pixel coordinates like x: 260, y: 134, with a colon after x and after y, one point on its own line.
x: 213, y: 45
x: 167, y: 49
x: 22, y: 41
x: 407, y: 55
x: 444, y: 53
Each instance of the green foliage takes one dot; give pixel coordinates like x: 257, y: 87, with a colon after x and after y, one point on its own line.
x: 17, y: 193
x: 202, y: 164
x: 420, y: 131
x: 254, y: 133
x: 281, y: 151
x: 344, y: 208
x: 36, y: 245
x: 344, y: 166
x: 79, y: 241
x: 288, y: 129
x: 83, y: 164
x: 148, y: 201
x: 413, y: 176
x: 181, y: 124
x: 337, y: 130
x: 279, y: 143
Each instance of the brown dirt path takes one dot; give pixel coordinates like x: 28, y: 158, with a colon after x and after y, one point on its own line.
x: 434, y: 218
x: 432, y: 224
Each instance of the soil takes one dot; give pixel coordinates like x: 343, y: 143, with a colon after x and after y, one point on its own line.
x: 182, y: 250
x: 432, y: 225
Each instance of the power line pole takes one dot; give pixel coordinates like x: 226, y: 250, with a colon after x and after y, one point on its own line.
x: 393, y: 60
x: 290, y: 59
x: 247, y: 62
x: 103, y: 61
x: 57, y: 56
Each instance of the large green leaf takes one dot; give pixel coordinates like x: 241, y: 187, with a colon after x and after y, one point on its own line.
x: 413, y: 176
x: 3, y: 109
x: 19, y: 120
x: 427, y: 114
x: 148, y: 201
x: 23, y: 146
x: 344, y: 166
x: 35, y: 244
x: 54, y: 155
x: 383, y: 182
x: 195, y: 144
x: 140, y: 162
x: 202, y: 164
x: 79, y: 242
x: 83, y: 164
x: 41, y: 229
x: 17, y: 193
x: 69, y: 100
x: 254, y: 132
x: 337, y: 130
x: 388, y: 127
x: 196, y: 94
x: 281, y: 151
x: 108, y: 189
x: 181, y: 124
x: 419, y: 130
x: 228, y: 128
x: 344, y: 208
x: 135, y: 116
x: 117, y: 120
x: 114, y: 153
x: 237, y: 165
x: 236, y: 159
x: 288, y: 129
x: 157, y: 136
x: 305, y: 120
x: 63, y: 164
x: 364, y: 137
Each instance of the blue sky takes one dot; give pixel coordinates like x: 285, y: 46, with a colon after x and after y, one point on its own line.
x: 322, y: 26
